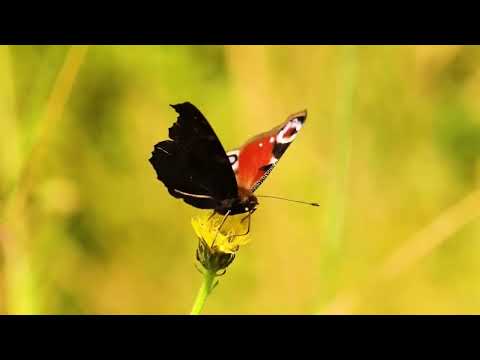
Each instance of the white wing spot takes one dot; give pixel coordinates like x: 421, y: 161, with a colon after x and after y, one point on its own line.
x: 233, y: 158
x: 296, y: 124
x: 261, y: 144
x: 273, y: 160
x: 272, y: 139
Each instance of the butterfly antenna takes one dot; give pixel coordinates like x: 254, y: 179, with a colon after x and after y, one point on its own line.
x: 297, y: 201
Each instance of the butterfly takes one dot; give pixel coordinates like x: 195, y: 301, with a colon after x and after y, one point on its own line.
x: 194, y: 166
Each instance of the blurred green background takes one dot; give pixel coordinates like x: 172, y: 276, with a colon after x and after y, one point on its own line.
x: 390, y: 149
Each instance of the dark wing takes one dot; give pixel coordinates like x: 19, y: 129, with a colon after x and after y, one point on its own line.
x: 193, y: 165
x: 254, y: 161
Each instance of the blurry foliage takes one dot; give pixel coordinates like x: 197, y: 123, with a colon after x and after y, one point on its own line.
x: 459, y: 138
x: 105, y: 236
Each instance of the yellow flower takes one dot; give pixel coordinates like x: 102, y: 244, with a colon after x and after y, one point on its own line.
x: 218, y: 243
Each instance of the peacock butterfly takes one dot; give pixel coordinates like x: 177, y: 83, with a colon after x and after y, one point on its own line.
x: 194, y: 166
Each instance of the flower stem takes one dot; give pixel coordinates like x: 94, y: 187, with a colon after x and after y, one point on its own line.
x: 203, y: 293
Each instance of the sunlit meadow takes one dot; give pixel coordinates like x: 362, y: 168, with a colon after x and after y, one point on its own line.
x: 390, y: 150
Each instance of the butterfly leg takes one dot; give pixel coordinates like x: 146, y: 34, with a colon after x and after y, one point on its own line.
x: 213, y: 213
x: 248, y: 227
x: 248, y: 216
x: 249, y: 220
x: 221, y: 224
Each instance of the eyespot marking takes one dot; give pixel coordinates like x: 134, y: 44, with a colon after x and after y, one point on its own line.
x: 289, y: 131
x: 233, y: 158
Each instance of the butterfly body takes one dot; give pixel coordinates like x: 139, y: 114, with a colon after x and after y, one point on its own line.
x: 194, y: 166
x: 244, y: 202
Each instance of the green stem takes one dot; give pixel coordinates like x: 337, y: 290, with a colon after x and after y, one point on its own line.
x: 203, y: 293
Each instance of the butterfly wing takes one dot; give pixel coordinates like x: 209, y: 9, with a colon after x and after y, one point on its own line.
x: 193, y: 165
x: 254, y: 161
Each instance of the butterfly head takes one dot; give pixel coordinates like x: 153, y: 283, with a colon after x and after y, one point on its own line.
x: 247, y: 200
x: 244, y: 203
